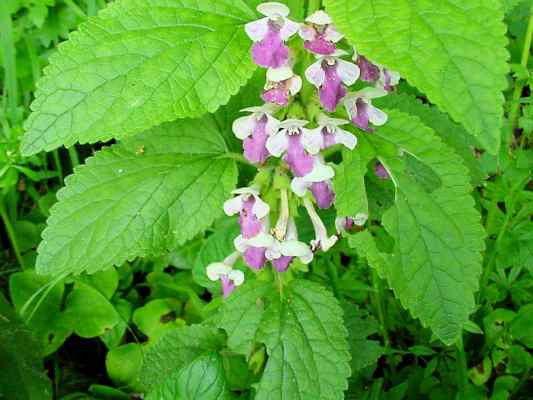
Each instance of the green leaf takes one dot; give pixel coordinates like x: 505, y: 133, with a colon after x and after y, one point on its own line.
x: 158, y: 316
x: 436, y: 261
x: 49, y: 325
x: 175, y: 350
x: 203, y: 378
x: 453, y: 51
x: 304, y: 334
x: 522, y: 326
x: 123, y: 363
x: 364, y: 352
x: 349, y: 181
x: 88, y: 312
x: 144, y: 196
x: 452, y: 134
x: 138, y: 64
x: 22, y: 374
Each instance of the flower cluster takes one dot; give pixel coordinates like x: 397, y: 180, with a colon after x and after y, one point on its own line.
x: 298, y: 146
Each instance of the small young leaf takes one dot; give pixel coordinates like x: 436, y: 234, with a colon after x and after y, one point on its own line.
x: 146, y: 195
x: 304, y: 335
x: 453, y: 51
x: 138, y: 64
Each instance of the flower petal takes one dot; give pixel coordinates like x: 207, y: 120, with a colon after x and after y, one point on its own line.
x: 277, y: 144
x: 295, y: 85
x: 345, y: 138
x: 273, y: 9
x: 261, y: 240
x: 294, y: 248
x: 260, y: 208
x: 293, y: 123
x: 376, y: 116
x: 307, y: 32
x: 279, y: 74
x: 215, y: 270
x: 315, y: 74
x: 371, y: 93
x: 348, y: 72
x: 332, y: 34
x: 324, y: 120
x: 319, y: 17
x: 272, y: 125
x: 233, y: 206
x: 243, y: 126
x: 312, y: 140
x: 299, y: 186
x: 289, y: 29
x: 237, y: 277
x: 257, y: 30
x: 320, y: 173
x: 240, y: 244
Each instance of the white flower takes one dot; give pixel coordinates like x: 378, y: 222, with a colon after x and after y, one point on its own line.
x: 320, y: 173
x: 329, y: 133
x: 233, y: 206
x: 290, y: 246
x: 244, y: 126
x: 346, y: 71
x: 322, y: 240
x: 272, y: 11
x: 360, y: 109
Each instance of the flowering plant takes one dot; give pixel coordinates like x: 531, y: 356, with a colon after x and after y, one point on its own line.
x: 285, y: 146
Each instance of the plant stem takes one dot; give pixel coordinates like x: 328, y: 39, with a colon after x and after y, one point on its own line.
x: 515, y: 110
x: 76, y: 9
x: 91, y: 8
x: 377, y: 298
x: 9, y: 57
x: 462, y: 377
x: 57, y: 163
x: 11, y: 233
x: 333, y: 276
x: 74, y: 159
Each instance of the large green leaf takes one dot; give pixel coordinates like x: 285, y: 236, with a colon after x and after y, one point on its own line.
x: 204, y: 378
x: 138, y: 64
x: 22, y: 376
x: 453, y: 50
x: 303, y: 331
x: 436, y: 261
x: 144, y: 196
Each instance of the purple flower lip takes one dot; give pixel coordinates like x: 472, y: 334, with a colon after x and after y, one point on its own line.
x: 223, y: 271
x: 319, y: 35
x: 361, y: 111
x: 323, y: 194
x: 331, y: 75
x: 283, y: 250
x: 281, y: 84
x: 270, y: 34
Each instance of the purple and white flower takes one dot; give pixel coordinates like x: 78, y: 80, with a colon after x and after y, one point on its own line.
x: 369, y: 71
x: 330, y: 133
x: 322, y: 240
x: 381, y: 171
x: 361, y: 111
x: 331, y: 75
x: 283, y: 250
x: 319, y: 34
x: 346, y: 224
x: 254, y: 130
x: 254, y: 249
x: 270, y: 34
x: 223, y: 271
x: 281, y: 84
x: 253, y: 212
x: 297, y: 144
x: 388, y: 79
x: 318, y: 181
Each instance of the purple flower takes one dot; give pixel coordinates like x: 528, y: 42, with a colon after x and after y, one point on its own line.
x: 223, y: 271
x: 281, y: 84
x: 270, y: 34
x: 361, y: 111
x: 284, y: 249
x: 330, y: 133
x: 254, y: 130
x: 369, y: 71
x: 388, y: 79
x: 381, y: 172
x: 330, y: 74
x: 254, y: 249
x: 319, y: 34
x: 318, y: 181
x: 296, y: 143
x: 253, y: 212
x: 344, y: 224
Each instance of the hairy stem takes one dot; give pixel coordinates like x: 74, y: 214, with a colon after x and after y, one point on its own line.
x: 74, y: 158
x: 462, y: 377
x: 313, y: 5
x: 7, y: 47
x: 377, y: 300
